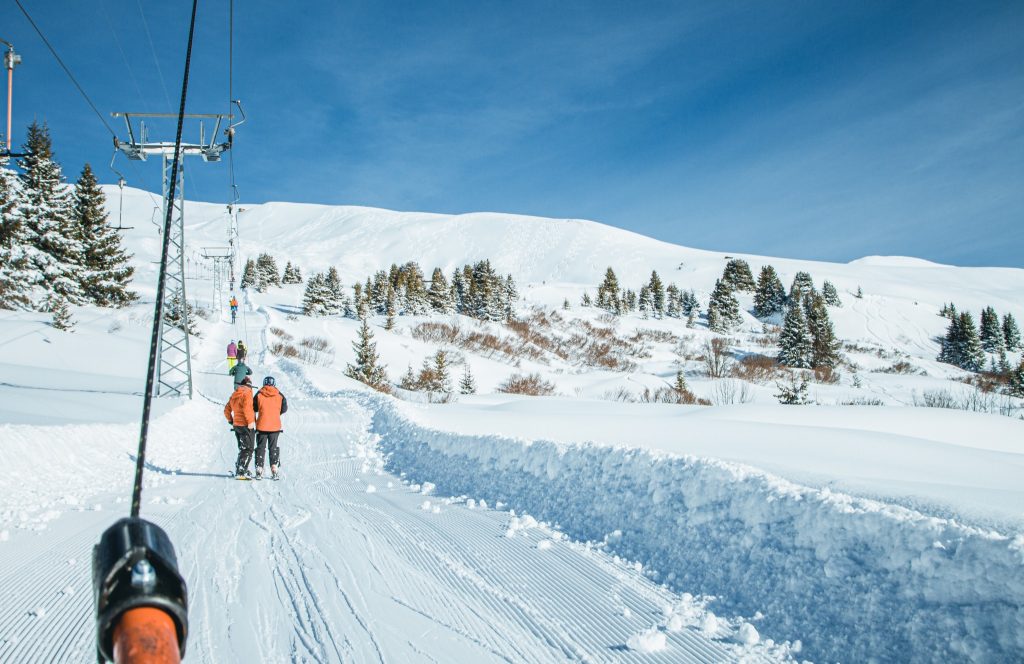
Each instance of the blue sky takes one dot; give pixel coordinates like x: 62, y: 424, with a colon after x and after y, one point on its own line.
x: 800, y: 129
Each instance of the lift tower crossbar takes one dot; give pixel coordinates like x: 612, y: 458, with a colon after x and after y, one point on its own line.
x: 174, y: 369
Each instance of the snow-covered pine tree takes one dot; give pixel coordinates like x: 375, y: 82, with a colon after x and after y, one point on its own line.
x: 824, y: 345
x: 991, y: 332
x: 795, y: 344
x: 737, y: 274
x: 106, y: 272
x: 442, y: 375
x: 291, y: 275
x: 585, y: 301
x: 468, y: 385
x: 414, y: 290
x: 723, y: 309
x: 249, y: 276
x: 769, y: 294
x: 1011, y: 333
x: 439, y: 295
x: 690, y: 304
x: 608, y: 292
x: 793, y: 392
x: 390, y: 308
x: 61, y: 314
x: 673, y: 307
x: 831, y: 295
x: 15, y: 279
x: 408, y: 381
x: 949, y: 351
x: 565, y: 304
x: 177, y: 315
x: 657, y: 289
x: 972, y: 357
x: 511, y: 297
x: 378, y: 291
x: 629, y: 302
x: 1016, y: 382
x: 646, y: 304
x: 367, y: 368
x: 334, y: 292
x: 459, y: 291
x: 316, y: 299
x: 802, y: 285
x: 267, y: 274
x: 45, y: 213
x: 947, y: 310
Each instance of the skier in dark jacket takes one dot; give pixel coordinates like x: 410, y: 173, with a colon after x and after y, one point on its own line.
x: 269, y: 405
x: 239, y: 371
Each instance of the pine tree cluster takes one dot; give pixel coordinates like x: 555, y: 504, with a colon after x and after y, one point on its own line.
x: 654, y: 299
x: 474, y: 290
x: 965, y: 346
x: 808, y: 339
x: 325, y: 296
x: 54, y: 239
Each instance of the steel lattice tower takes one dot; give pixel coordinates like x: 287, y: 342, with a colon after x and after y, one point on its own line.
x: 174, y: 369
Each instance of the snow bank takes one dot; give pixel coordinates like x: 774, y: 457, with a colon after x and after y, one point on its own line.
x: 854, y: 579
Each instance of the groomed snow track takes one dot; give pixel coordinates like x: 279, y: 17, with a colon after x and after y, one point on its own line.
x: 338, y: 562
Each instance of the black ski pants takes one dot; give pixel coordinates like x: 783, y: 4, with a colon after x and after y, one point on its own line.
x: 245, y: 444
x: 265, y: 439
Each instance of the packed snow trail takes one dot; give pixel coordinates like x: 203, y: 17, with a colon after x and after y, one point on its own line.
x: 339, y: 561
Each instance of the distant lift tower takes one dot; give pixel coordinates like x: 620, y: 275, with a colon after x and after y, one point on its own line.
x: 221, y: 257
x: 174, y: 370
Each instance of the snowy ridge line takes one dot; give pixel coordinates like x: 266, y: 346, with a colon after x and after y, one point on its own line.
x: 817, y: 563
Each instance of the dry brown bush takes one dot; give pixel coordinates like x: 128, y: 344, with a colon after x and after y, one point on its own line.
x: 286, y: 350
x: 757, y: 368
x: 826, y: 375
x: 531, y: 384
x: 716, y: 357
x: 437, y: 332
x: 898, y: 367
x: 655, y: 336
x: 281, y: 333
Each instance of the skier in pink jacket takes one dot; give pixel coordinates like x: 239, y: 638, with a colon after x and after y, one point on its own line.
x: 232, y: 354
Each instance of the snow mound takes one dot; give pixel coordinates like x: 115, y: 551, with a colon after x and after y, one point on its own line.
x: 819, y: 564
x: 894, y: 261
x: 651, y: 640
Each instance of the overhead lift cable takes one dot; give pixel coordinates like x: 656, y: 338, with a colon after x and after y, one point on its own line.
x: 65, y: 68
x: 141, y: 598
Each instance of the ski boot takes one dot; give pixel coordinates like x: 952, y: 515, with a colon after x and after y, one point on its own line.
x: 259, y: 473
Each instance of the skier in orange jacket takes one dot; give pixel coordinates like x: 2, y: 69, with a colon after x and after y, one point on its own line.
x: 269, y: 404
x: 239, y: 413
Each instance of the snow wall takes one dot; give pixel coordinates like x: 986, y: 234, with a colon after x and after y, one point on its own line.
x: 854, y: 579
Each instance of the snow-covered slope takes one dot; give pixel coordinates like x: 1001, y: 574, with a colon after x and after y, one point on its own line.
x: 841, y: 532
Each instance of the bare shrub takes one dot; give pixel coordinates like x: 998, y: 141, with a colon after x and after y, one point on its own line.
x: 437, y: 332
x: 656, y: 336
x: 622, y: 394
x: 973, y: 400
x: 729, y: 392
x: 716, y: 357
x: 827, y: 375
x: 757, y: 368
x: 531, y: 384
x: 898, y: 367
x: 316, y: 351
x: 278, y: 332
x: 863, y: 401
x: 285, y: 350
x: 987, y: 381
